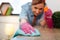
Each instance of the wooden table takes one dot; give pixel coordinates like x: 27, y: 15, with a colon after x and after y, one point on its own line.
x: 46, y: 34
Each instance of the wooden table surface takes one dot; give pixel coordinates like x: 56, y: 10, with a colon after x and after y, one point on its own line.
x: 46, y: 34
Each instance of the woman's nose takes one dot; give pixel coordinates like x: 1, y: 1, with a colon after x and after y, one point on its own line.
x: 37, y: 11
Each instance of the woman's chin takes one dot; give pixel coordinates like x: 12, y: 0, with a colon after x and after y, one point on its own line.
x: 36, y: 14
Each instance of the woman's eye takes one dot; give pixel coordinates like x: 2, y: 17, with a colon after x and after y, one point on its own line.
x: 40, y: 8
x: 35, y: 7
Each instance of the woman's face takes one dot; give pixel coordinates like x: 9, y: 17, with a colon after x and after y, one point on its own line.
x: 38, y: 8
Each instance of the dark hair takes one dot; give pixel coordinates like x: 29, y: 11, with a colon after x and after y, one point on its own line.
x: 34, y: 2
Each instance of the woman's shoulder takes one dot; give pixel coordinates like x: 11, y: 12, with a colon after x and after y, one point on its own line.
x: 26, y: 6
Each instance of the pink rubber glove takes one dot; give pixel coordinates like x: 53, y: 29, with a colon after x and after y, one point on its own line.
x: 27, y: 28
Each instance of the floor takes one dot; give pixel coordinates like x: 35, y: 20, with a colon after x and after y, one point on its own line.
x: 46, y: 34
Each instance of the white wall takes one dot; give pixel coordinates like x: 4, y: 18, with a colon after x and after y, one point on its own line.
x: 54, y: 5
x: 16, y: 4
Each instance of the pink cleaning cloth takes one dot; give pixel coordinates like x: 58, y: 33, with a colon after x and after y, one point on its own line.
x: 48, y: 18
x: 26, y: 27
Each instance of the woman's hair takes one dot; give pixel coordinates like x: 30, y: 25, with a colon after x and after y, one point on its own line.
x: 34, y: 2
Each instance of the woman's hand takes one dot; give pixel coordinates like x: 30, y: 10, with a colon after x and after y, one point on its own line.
x: 27, y: 28
x: 42, y: 23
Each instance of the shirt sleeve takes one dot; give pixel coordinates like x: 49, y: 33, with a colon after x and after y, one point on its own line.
x: 23, y: 15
